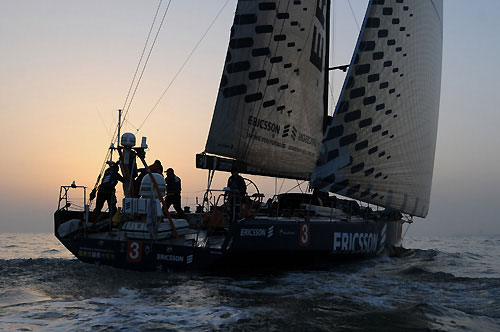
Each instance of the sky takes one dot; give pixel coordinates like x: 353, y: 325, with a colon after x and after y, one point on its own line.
x: 66, y: 67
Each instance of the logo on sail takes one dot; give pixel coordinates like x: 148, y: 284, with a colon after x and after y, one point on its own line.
x: 307, y: 139
x: 264, y: 124
x: 286, y: 132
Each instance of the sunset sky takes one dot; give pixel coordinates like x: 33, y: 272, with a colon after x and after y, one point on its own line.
x: 66, y: 66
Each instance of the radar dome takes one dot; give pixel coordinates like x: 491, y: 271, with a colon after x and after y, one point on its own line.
x: 128, y: 140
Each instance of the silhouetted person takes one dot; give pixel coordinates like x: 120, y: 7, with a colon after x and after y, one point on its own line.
x: 156, y: 167
x: 106, y: 191
x: 237, y: 193
x: 173, y: 183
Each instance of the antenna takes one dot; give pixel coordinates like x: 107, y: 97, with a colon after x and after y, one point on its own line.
x: 119, y: 125
x: 112, y: 146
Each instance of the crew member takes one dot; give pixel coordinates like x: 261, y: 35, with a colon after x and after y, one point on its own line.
x: 173, y: 183
x: 106, y: 191
x: 156, y: 167
x: 237, y: 193
x: 237, y: 184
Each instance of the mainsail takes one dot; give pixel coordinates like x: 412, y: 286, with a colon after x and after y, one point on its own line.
x: 270, y: 111
x: 380, y: 145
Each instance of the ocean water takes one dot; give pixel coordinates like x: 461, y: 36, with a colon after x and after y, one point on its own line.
x: 448, y: 284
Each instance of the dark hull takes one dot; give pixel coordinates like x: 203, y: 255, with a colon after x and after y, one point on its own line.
x: 252, y: 242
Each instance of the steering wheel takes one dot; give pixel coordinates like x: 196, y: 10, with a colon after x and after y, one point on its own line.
x: 253, y: 194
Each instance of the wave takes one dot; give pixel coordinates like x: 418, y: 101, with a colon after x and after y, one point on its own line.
x: 50, y: 251
x: 70, y: 278
x: 405, y: 318
x: 422, y: 273
x: 388, y: 295
x: 20, y: 297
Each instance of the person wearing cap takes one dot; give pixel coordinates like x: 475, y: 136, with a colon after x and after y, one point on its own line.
x: 173, y: 197
x: 106, y: 191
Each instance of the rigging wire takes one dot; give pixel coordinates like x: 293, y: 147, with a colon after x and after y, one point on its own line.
x: 333, y: 32
x: 353, y: 15
x: 298, y: 185
x: 103, y: 124
x: 142, y: 54
x: 184, y: 64
x: 407, y: 229
x: 131, y: 124
x: 147, y: 60
x: 282, y: 183
x: 115, y: 137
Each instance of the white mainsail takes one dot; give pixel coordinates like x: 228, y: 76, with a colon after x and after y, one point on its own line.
x: 380, y: 145
x: 269, y: 112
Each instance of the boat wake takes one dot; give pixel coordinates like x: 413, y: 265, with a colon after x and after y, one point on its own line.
x: 415, y: 293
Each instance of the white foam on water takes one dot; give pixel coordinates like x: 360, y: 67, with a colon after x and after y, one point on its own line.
x: 59, y: 294
x: 130, y: 310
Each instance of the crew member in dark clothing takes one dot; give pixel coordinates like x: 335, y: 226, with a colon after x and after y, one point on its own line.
x: 106, y: 192
x: 156, y: 167
x: 237, y: 193
x: 173, y: 183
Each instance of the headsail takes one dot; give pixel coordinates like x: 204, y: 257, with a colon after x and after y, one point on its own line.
x: 380, y: 145
x: 269, y: 112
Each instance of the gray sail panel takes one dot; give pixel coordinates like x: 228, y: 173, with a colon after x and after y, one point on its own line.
x: 380, y: 145
x: 269, y: 110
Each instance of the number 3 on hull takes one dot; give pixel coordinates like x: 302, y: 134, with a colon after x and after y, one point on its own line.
x: 305, y: 235
x: 134, y: 251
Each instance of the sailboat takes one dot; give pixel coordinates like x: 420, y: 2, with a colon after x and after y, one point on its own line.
x: 271, y: 119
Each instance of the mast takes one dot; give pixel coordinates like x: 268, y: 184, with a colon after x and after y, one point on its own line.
x: 327, y: 66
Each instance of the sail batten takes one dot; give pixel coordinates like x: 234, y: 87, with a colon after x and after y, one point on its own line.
x: 380, y: 146
x: 270, y: 108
